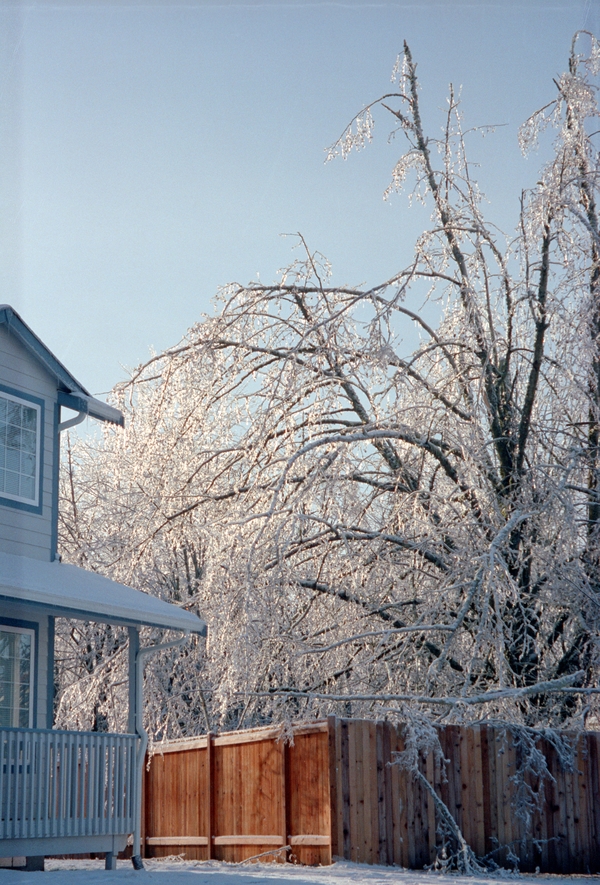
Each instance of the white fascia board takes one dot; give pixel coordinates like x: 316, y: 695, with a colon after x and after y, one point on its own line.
x: 104, y: 412
x: 70, y: 591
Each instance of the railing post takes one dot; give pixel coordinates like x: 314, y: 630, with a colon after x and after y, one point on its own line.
x: 134, y: 647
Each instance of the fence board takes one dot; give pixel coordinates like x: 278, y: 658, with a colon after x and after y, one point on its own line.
x: 371, y: 854
x: 388, y: 731
x: 354, y: 777
x: 398, y: 805
x: 335, y: 752
x: 381, y: 856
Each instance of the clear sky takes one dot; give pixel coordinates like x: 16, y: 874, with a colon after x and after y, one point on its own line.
x: 150, y: 152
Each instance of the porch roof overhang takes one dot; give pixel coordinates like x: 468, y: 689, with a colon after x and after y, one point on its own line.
x: 72, y: 592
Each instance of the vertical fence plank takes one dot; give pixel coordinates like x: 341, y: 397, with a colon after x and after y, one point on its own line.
x: 485, y: 788
x: 363, y: 783
x: 570, y: 846
x: 388, y: 730
x: 447, y: 785
x: 500, y: 797
x: 594, y: 790
x: 581, y: 809
x: 476, y: 780
x: 346, y: 811
x: 209, y: 794
x: 371, y: 797
x: 334, y: 744
x: 422, y: 815
x: 563, y: 844
x: 353, y: 766
x: 540, y: 830
x: 381, y: 853
x: 593, y: 804
x: 431, y: 817
x: 398, y: 803
x: 286, y: 790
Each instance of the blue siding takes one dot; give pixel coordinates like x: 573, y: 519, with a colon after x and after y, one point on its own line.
x: 27, y: 530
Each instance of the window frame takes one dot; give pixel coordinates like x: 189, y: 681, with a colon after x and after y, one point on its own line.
x: 16, y: 627
x: 20, y: 503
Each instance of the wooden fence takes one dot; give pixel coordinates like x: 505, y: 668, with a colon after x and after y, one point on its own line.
x: 240, y: 794
x: 334, y: 792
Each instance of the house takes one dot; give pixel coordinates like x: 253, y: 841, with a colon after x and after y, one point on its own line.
x: 61, y: 792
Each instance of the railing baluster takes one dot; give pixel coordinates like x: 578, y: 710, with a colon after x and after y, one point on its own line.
x: 102, y: 786
x: 61, y: 783
x: 6, y: 777
x: 26, y: 816
x: 91, y: 823
x: 14, y: 783
x: 109, y: 786
x: 119, y: 782
x: 54, y: 786
x: 41, y: 787
x: 73, y: 774
x: 81, y: 769
x: 3, y: 783
x: 31, y: 769
x: 98, y: 782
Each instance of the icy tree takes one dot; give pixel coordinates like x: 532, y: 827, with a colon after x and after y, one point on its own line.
x: 360, y: 527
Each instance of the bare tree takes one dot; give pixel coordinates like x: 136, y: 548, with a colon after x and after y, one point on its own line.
x: 364, y: 527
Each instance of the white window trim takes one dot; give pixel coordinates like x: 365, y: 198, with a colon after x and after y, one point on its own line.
x: 6, y: 628
x: 33, y: 502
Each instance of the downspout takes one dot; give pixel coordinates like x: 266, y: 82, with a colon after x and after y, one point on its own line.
x: 72, y: 422
x: 136, y: 859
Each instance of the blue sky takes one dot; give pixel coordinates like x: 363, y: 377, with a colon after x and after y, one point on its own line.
x: 150, y: 152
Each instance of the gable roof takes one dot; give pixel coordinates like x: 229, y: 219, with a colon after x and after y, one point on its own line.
x: 71, y: 592
x: 82, y: 400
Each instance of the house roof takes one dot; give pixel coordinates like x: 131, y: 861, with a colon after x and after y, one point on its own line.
x: 72, y: 592
x: 83, y: 401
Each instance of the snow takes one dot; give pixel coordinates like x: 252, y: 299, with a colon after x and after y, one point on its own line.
x: 172, y: 871
x: 78, y: 593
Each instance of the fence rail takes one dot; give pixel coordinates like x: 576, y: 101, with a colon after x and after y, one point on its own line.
x: 57, y: 784
x: 335, y: 791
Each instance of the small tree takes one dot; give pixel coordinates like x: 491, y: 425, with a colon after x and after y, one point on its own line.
x: 364, y: 528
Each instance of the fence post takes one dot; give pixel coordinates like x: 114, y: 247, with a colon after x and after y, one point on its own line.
x: 334, y: 775
x: 209, y: 803
x: 285, y: 794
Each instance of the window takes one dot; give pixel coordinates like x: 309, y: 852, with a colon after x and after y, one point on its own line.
x: 16, y: 677
x: 19, y: 449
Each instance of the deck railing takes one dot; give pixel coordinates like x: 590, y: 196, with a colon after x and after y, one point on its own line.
x: 66, y: 783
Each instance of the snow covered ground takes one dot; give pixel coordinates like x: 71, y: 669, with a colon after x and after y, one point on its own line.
x: 175, y: 872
